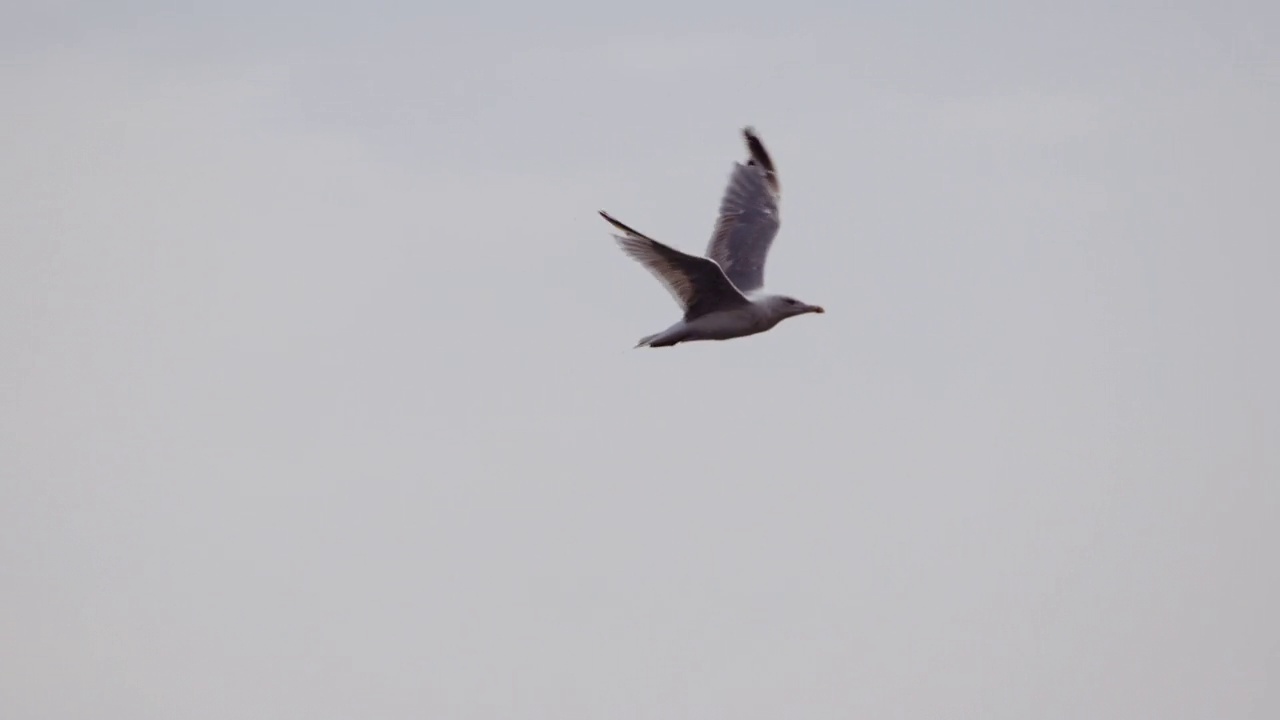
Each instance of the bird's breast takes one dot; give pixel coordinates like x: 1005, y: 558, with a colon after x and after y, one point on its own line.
x: 728, y: 323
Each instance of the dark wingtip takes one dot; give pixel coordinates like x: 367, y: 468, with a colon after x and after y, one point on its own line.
x: 620, y: 226
x: 760, y: 156
x: 612, y: 221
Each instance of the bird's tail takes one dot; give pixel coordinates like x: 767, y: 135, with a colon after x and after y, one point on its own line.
x: 666, y: 338
x: 647, y: 340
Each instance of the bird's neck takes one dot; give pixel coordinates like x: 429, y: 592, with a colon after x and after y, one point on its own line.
x: 767, y: 309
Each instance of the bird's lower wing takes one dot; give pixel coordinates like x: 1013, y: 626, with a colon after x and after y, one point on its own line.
x: 697, y: 284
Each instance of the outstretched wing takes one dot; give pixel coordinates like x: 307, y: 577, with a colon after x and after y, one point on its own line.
x: 748, y: 219
x: 696, y: 283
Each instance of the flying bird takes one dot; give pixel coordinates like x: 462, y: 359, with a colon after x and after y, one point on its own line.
x: 721, y: 293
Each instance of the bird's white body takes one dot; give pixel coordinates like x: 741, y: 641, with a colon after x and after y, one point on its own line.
x: 761, y: 314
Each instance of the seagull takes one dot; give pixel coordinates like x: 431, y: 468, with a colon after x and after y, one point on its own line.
x: 721, y: 294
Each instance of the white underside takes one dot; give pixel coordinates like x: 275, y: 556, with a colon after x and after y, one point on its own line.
x: 723, y: 325
x: 728, y: 324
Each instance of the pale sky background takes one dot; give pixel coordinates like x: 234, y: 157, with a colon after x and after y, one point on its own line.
x: 317, y: 396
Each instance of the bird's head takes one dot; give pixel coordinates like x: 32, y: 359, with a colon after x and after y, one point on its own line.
x: 784, y: 307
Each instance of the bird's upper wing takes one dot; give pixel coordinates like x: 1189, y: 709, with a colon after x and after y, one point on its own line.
x: 696, y: 283
x: 748, y: 219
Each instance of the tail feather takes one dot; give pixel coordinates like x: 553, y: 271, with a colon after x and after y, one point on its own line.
x: 646, y: 340
x: 666, y: 338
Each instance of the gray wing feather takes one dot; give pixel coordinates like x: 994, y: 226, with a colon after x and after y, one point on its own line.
x: 697, y: 284
x: 748, y: 220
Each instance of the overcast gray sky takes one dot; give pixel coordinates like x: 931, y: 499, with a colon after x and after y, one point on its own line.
x: 317, y: 396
